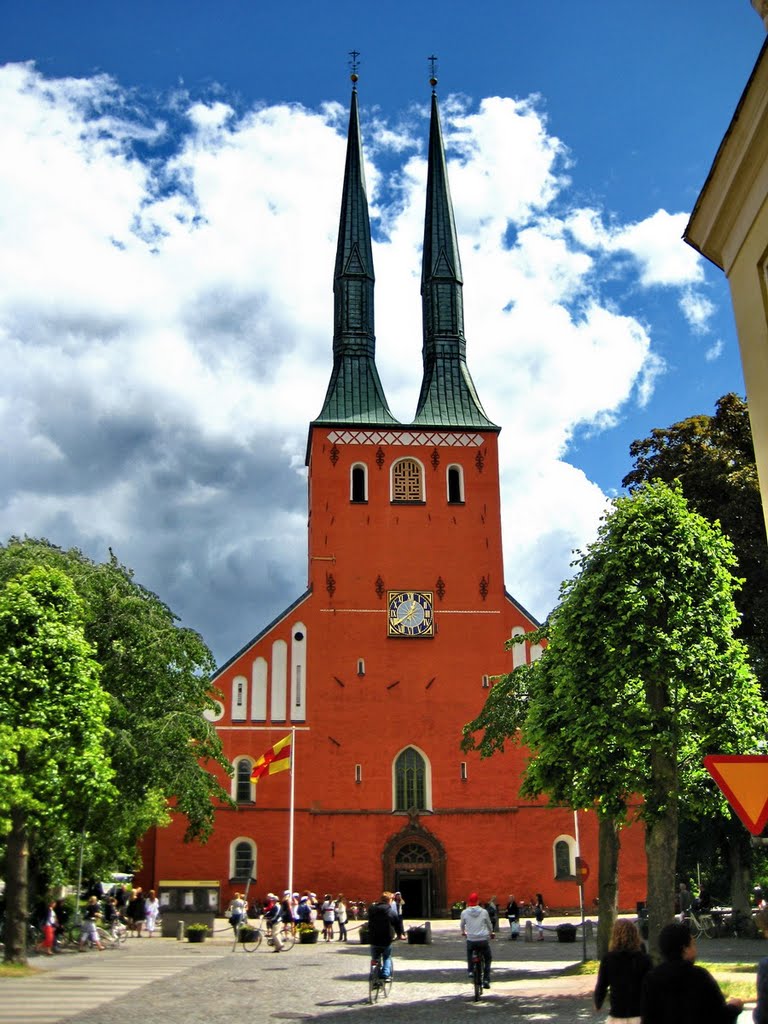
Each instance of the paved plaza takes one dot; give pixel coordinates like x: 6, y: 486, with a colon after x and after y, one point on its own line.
x: 163, y: 981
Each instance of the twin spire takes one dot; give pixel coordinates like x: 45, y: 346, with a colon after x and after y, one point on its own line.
x: 355, y: 395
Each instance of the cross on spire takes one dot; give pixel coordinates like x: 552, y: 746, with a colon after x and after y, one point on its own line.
x: 354, y: 63
x: 432, y: 71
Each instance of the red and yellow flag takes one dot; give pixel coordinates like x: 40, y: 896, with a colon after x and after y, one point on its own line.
x: 276, y: 759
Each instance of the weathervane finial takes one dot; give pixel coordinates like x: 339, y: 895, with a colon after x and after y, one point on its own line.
x: 432, y: 69
x: 354, y: 64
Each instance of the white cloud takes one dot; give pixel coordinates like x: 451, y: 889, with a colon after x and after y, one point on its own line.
x: 166, y: 326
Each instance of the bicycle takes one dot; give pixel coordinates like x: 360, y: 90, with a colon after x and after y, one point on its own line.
x: 702, y: 926
x: 376, y: 984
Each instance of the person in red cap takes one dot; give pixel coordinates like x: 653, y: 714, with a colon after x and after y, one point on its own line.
x: 477, y: 929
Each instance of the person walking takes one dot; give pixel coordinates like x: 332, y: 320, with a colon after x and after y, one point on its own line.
x: 622, y: 972
x: 88, y: 932
x: 679, y: 992
x: 328, y: 910
x: 152, y: 910
x: 477, y: 930
x: 384, y: 926
x: 236, y: 911
x: 341, y: 917
x: 513, y: 916
x: 539, y: 912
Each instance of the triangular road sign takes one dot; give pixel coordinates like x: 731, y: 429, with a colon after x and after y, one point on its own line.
x: 743, y: 779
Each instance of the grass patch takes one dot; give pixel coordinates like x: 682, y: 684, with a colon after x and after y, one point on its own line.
x: 729, y: 968
x: 577, y: 970
x: 16, y: 970
x: 736, y: 987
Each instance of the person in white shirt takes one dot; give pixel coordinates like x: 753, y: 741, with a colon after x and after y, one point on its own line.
x: 477, y: 929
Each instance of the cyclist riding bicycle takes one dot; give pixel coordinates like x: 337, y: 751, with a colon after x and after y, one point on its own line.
x: 383, y: 926
x: 477, y: 929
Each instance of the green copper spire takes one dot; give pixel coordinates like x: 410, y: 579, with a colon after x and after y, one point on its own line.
x: 448, y: 396
x: 355, y: 394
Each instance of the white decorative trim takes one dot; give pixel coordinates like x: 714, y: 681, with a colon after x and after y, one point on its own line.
x: 406, y: 437
x: 383, y: 611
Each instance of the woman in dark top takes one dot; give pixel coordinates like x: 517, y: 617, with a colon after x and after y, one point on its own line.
x: 622, y: 970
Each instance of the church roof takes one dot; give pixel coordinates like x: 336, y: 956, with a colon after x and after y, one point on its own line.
x: 448, y: 396
x: 355, y: 393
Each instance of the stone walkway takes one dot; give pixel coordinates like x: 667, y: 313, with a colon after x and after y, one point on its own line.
x: 162, y: 980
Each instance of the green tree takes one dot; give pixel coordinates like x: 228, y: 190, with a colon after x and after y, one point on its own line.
x: 157, y: 678
x: 53, y: 711
x: 713, y: 458
x: 641, y: 676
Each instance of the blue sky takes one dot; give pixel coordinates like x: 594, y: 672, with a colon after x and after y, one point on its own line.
x: 168, y: 223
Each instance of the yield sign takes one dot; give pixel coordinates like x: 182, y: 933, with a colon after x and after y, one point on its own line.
x: 743, y: 779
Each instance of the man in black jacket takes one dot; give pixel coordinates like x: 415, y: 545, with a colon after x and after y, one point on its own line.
x: 383, y: 925
x: 678, y: 992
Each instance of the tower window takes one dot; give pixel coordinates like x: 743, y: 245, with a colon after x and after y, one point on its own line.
x: 243, y: 784
x: 407, y: 481
x: 455, y: 486
x: 463, y: 771
x: 358, y: 773
x: 360, y: 667
x: 410, y: 781
x: 243, y: 860
x: 359, y: 483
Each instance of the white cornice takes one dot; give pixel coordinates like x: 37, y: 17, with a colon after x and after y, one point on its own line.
x: 737, y: 184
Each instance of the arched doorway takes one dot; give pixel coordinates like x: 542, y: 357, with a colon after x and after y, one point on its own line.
x: 414, y: 864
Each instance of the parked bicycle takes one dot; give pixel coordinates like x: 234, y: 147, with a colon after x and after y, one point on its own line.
x: 702, y: 924
x: 376, y: 984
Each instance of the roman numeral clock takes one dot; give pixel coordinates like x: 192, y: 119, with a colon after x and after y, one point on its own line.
x: 410, y: 613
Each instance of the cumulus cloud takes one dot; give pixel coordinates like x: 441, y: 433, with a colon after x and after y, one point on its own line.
x: 166, y: 325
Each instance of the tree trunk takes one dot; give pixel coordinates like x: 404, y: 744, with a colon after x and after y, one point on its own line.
x: 16, y: 891
x: 608, y: 880
x: 740, y: 863
x: 661, y: 833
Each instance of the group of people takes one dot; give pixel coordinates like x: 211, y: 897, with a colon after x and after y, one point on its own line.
x: 291, y: 910
x: 675, y: 991
x: 134, y: 911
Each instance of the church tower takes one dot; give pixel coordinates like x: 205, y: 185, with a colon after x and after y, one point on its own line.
x: 392, y: 648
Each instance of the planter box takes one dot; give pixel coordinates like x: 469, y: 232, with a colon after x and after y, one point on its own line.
x: 417, y: 936
x: 306, y: 938
x: 364, y: 941
x: 566, y: 933
x: 196, y: 936
x: 245, y: 934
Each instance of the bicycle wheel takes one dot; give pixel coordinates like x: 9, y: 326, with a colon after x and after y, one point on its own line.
x: 120, y: 933
x: 253, y: 940
x: 374, y: 982
x: 477, y: 976
x: 707, y: 926
x: 106, y: 940
x: 289, y: 941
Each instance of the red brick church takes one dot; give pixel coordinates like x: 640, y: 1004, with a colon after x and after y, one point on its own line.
x: 392, y: 647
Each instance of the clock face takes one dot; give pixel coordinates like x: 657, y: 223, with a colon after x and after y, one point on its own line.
x: 410, y: 613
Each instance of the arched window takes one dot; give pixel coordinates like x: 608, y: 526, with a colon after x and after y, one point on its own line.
x: 564, y: 852
x: 359, y: 483
x: 407, y: 481
x: 244, y: 788
x: 242, y: 856
x: 455, y: 485
x: 410, y: 781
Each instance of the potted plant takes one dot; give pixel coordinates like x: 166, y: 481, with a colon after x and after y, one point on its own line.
x: 456, y: 909
x: 196, y: 932
x: 307, y: 932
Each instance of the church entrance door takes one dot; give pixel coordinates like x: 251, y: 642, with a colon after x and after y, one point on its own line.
x: 415, y: 887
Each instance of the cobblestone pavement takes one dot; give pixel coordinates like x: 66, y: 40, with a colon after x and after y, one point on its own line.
x: 162, y: 980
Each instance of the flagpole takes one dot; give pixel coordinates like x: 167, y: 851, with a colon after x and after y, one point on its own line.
x: 290, y: 825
